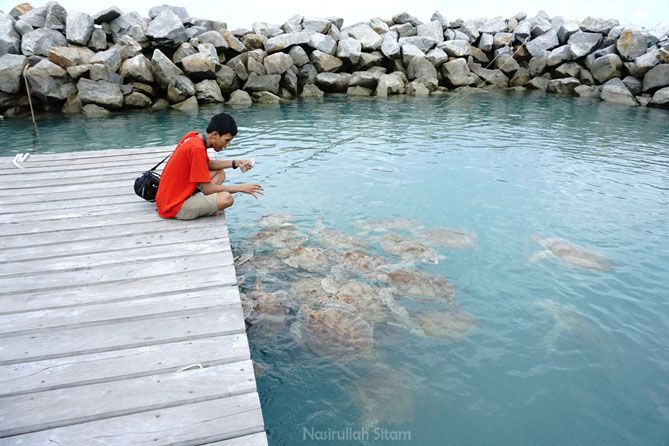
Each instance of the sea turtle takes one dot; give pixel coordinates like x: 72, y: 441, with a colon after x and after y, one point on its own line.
x: 360, y: 263
x: 336, y: 240
x: 449, y: 238
x: 276, y: 220
x: 279, y: 239
x: 419, y: 285
x: 335, y: 330
x: 451, y: 325
x: 384, y: 396
x: 310, y: 289
x: 571, y: 254
x: 310, y: 259
x: 270, y: 310
x: 567, y: 321
x: 391, y: 224
x: 408, y: 250
x: 365, y: 298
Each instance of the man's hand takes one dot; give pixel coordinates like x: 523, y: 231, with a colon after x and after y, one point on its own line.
x: 245, y: 165
x: 251, y: 189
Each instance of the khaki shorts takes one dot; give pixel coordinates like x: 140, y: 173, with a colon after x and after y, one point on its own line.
x: 199, y: 205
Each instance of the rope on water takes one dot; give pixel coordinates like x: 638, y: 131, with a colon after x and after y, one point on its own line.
x: 30, y: 102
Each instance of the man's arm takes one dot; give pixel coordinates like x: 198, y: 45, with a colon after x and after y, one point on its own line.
x: 220, y: 164
x: 251, y: 189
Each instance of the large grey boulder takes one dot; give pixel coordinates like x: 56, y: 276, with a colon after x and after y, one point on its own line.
x: 107, y: 15
x: 410, y: 51
x: 656, y: 77
x: 323, y: 43
x: 486, y: 42
x: 21, y: 27
x: 253, y: 41
x: 405, y: 17
x: 456, y: 48
x: 136, y: 100
x: 179, y: 89
x: 588, y: 91
x: 99, y: 72
x: 422, y: 43
x: 581, y: 43
x: 94, y: 111
x: 178, y: 11
x: 422, y: 69
x: 390, y: 84
x: 325, y: 62
x: 404, y: 30
x: 456, y: 73
x: 319, y: 25
x: 493, y: 77
x: 368, y: 38
x: 437, y: 56
x: 364, y: 79
x: 661, y: 97
x: 631, y: 44
x: 208, y: 91
x: 200, y: 66
x: 507, y: 64
x: 390, y: 46
x: 350, y: 49
x: 185, y: 49
x: 238, y: 63
x: 643, y: 63
x: 189, y: 105
x: 106, y: 94
x: 130, y: 24
x: 265, y: 97
x: 565, y: 85
x: 110, y: 58
x: 49, y: 81
x: 417, y: 88
x: 540, y: 45
x: 290, y: 82
x: 617, y: 92
x: 269, y: 82
x: 215, y: 38
x: 10, y: 40
x: 39, y: 41
x: 495, y: 25
x: 537, y: 66
x: 233, y: 42
x: 566, y: 30
x: 333, y: 82
x: 167, y: 29
x: 78, y: 27
x: 35, y: 17
x: 570, y: 69
x: 69, y: 56
x: 540, y: 26
x: 267, y: 29
x: 137, y: 68
x: 55, y: 16
x: 128, y: 47
x: 559, y: 55
x: 590, y: 24
x: 293, y: 24
x: 432, y: 30
x: 11, y: 72
x: 240, y: 97
x: 299, y: 56
x: 284, y: 41
x: 379, y: 26
x: 521, y: 78
x: 98, y: 40
x: 633, y: 85
x: 311, y: 91
x: 369, y: 60
x: 163, y: 68
x: 502, y: 40
x: 227, y: 80
x: 606, y: 67
x: 277, y: 63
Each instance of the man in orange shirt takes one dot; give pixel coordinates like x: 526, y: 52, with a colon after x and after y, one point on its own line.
x: 190, y: 167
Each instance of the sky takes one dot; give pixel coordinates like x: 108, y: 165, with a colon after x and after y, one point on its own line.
x: 243, y: 13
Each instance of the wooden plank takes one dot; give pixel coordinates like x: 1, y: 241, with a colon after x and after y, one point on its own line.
x: 69, y: 197
x: 95, y: 163
x: 192, y: 424
x: 84, y: 154
x: 122, y: 196
x: 137, y: 255
x: 145, y: 226
x: 112, y: 273
x: 91, y: 188
x: 193, y: 279
x: 70, y: 371
x: 259, y: 439
x: 102, y: 313
x: 83, y: 175
x: 63, y: 407
x: 68, y: 341
x: 110, y: 244
x: 136, y: 205
x: 128, y: 176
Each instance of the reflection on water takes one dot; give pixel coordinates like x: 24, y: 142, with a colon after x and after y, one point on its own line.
x: 543, y: 352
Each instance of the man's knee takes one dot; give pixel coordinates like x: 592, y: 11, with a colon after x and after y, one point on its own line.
x: 224, y: 200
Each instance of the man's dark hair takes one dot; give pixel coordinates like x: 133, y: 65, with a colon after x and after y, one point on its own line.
x: 222, y: 123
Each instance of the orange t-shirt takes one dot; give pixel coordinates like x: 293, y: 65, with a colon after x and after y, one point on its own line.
x: 188, y: 166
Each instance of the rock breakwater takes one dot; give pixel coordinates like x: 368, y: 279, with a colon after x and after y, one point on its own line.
x: 77, y: 63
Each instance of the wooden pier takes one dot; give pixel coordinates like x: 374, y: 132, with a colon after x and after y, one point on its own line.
x: 116, y: 327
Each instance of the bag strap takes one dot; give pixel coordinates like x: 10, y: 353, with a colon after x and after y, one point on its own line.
x: 164, y: 159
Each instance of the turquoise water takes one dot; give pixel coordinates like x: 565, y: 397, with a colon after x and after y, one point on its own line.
x: 558, y: 354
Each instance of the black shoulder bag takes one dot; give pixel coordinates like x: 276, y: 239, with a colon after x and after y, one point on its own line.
x: 146, y: 186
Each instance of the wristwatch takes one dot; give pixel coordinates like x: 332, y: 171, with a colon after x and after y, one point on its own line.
x: 234, y: 164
